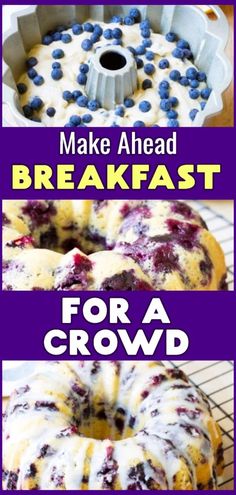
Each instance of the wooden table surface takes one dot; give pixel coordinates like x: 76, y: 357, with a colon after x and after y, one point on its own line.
x: 226, y: 117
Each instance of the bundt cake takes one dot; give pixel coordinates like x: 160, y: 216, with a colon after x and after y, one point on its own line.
x: 108, y: 245
x: 55, y: 86
x: 99, y: 425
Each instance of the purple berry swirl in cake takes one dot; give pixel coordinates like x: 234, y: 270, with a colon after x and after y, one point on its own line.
x: 108, y: 245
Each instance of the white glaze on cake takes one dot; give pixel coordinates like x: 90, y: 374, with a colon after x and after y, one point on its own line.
x: 109, y: 425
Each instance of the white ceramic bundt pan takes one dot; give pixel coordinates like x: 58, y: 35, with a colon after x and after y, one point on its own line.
x: 207, y: 38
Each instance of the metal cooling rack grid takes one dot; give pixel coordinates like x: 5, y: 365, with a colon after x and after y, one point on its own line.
x: 223, y: 230
x: 216, y: 380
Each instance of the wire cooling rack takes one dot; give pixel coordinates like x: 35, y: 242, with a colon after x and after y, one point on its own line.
x: 223, y: 230
x: 216, y: 380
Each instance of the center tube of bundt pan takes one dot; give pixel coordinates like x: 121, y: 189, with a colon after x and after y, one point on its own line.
x: 112, y: 76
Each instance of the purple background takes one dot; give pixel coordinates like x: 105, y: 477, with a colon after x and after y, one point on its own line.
x: 204, y: 316
x: 207, y: 318
x: 200, y: 145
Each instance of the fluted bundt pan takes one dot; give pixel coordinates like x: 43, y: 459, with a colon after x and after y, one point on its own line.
x: 112, y: 76
x: 207, y: 38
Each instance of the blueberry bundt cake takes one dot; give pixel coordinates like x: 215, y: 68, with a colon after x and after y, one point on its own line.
x: 171, y: 90
x: 108, y: 245
x: 111, y: 425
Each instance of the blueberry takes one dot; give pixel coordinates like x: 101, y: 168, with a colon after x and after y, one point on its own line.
x: 86, y: 45
x: 182, y: 44
x: 129, y: 21
x: 31, y: 62
x: 22, y: 88
x: 58, y: 53
x: 193, y: 113
x: 145, y: 106
x: 164, y: 93
x: 28, y: 111
x: 38, y: 80
x: 149, y: 55
x: 67, y: 96
x: 82, y: 79
x: 163, y: 64
x: 87, y: 117
x: 174, y: 101
x: 84, y: 68
x: 184, y: 81
x: 108, y: 34
x: 194, y: 83
x: 88, y: 27
x: 138, y: 123
x: 175, y: 75
x: 139, y: 62
x: 66, y: 38
x: 131, y: 49
x: 120, y: 111
x: 178, y: 53
x: 77, y: 29
x: 140, y: 50
x: 76, y: 93
x: 134, y: 13
x: 75, y: 120
x: 117, y: 18
x: 82, y: 101
x: 117, y: 42
x: 164, y: 84
x: 171, y: 37
x: 172, y: 123
x: 68, y: 125
x: 56, y: 74
x: 172, y: 114
x: 56, y: 65
x: 191, y: 73
x: 145, y: 24
x: 32, y: 73
x: 51, y: 111
x: 114, y: 125
x: 98, y: 30
x: 94, y: 38
x: 36, y: 119
x: 201, y: 76
x: 149, y: 69
x: 165, y: 105
x: 194, y: 93
x: 202, y: 104
x: 47, y: 40
x: 36, y: 103
x: 56, y: 36
x: 147, y: 43
x: 128, y: 102
x: 205, y: 93
x: 93, y: 105
x: 117, y: 33
x: 145, y: 33
x: 187, y: 53
x: 146, y: 84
